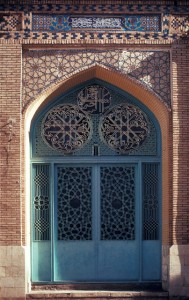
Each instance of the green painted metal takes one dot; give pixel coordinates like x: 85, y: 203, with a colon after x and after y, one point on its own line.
x: 95, y: 259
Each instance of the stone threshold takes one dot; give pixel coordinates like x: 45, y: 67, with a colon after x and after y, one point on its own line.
x: 48, y: 294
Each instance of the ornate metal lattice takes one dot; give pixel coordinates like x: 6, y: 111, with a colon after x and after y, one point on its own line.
x: 124, y: 128
x: 94, y: 99
x: 66, y: 128
x: 150, y: 202
x: 149, y: 147
x: 41, y: 203
x: 118, y: 203
x: 74, y: 203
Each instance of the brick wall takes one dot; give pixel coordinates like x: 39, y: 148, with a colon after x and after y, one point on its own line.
x: 10, y: 80
x: 180, y: 105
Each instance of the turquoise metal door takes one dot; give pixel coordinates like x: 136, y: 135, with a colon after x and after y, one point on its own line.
x: 96, y: 189
x: 97, y: 229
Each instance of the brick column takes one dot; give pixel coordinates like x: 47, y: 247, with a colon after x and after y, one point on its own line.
x: 179, y: 252
x: 11, y: 252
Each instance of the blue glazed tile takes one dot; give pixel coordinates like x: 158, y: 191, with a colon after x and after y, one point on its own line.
x: 67, y: 7
x: 64, y: 36
x: 7, y: 35
x: 91, y: 36
x: 27, y: 21
x: 26, y: 35
x: 92, y: 7
x: 147, y: 36
x: 40, y: 7
x: 174, y: 36
x: 109, y: 36
x: 84, y: 7
x: 27, y: 30
x: 128, y: 36
x: 155, y: 36
x: 119, y: 36
x: 35, y: 35
x: 137, y: 36
x: 17, y: 36
x: 58, y: 7
x: 139, y: 7
x: 45, y: 35
x: 100, y: 36
x: 54, y: 35
x: 74, y: 35
x: 49, y: 7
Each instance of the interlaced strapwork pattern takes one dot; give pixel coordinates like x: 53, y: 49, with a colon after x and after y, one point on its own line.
x: 74, y: 203
x: 41, y: 203
x: 118, y: 203
x: 66, y: 128
x: 44, y: 68
x: 150, y: 202
x: 129, y: 132
x: 124, y: 128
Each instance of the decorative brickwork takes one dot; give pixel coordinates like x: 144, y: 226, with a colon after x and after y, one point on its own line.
x: 10, y: 22
x: 41, y: 69
x: 120, y: 23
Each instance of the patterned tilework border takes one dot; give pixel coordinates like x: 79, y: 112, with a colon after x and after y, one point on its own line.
x: 63, y: 23
x: 43, y: 68
x: 175, y: 24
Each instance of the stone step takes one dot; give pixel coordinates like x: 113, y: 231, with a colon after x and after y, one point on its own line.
x: 98, y: 295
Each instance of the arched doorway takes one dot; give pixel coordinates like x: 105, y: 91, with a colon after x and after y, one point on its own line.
x: 96, y: 188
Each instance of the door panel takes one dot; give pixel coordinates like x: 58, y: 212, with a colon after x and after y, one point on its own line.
x: 118, y: 261
x: 97, y: 232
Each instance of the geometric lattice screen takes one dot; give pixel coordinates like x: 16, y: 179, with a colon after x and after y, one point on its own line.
x: 94, y: 120
x: 41, y: 203
x: 118, y: 203
x: 150, y: 187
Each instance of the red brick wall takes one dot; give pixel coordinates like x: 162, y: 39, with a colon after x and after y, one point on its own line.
x: 10, y: 81
x: 180, y: 76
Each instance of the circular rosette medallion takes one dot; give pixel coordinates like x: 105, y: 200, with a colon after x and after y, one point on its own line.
x: 66, y: 128
x: 124, y: 128
x: 94, y: 99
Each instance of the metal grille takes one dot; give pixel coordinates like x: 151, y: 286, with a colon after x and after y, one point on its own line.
x: 124, y: 128
x: 95, y: 136
x: 118, y: 203
x: 66, y: 128
x: 41, y: 203
x: 74, y: 203
x: 150, y: 202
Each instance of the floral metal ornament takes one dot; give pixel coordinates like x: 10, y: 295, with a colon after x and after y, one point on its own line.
x: 124, y: 128
x: 66, y: 128
x: 94, y: 99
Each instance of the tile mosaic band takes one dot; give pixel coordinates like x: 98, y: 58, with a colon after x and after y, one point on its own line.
x: 58, y: 23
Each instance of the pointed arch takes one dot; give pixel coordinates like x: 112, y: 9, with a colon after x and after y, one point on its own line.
x: 131, y: 86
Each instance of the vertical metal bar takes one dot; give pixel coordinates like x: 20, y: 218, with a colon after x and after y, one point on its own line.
x: 140, y: 209
x: 52, y: 179
x: 96, y: 211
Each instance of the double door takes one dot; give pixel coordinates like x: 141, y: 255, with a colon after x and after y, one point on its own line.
x: 96, y: 227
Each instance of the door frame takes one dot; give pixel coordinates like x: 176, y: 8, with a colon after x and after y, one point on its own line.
x: 137, y: 160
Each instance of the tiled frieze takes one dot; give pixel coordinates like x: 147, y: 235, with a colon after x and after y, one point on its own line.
x: 93, y: 23
x: 58, y: 23
x: 43, y: 68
